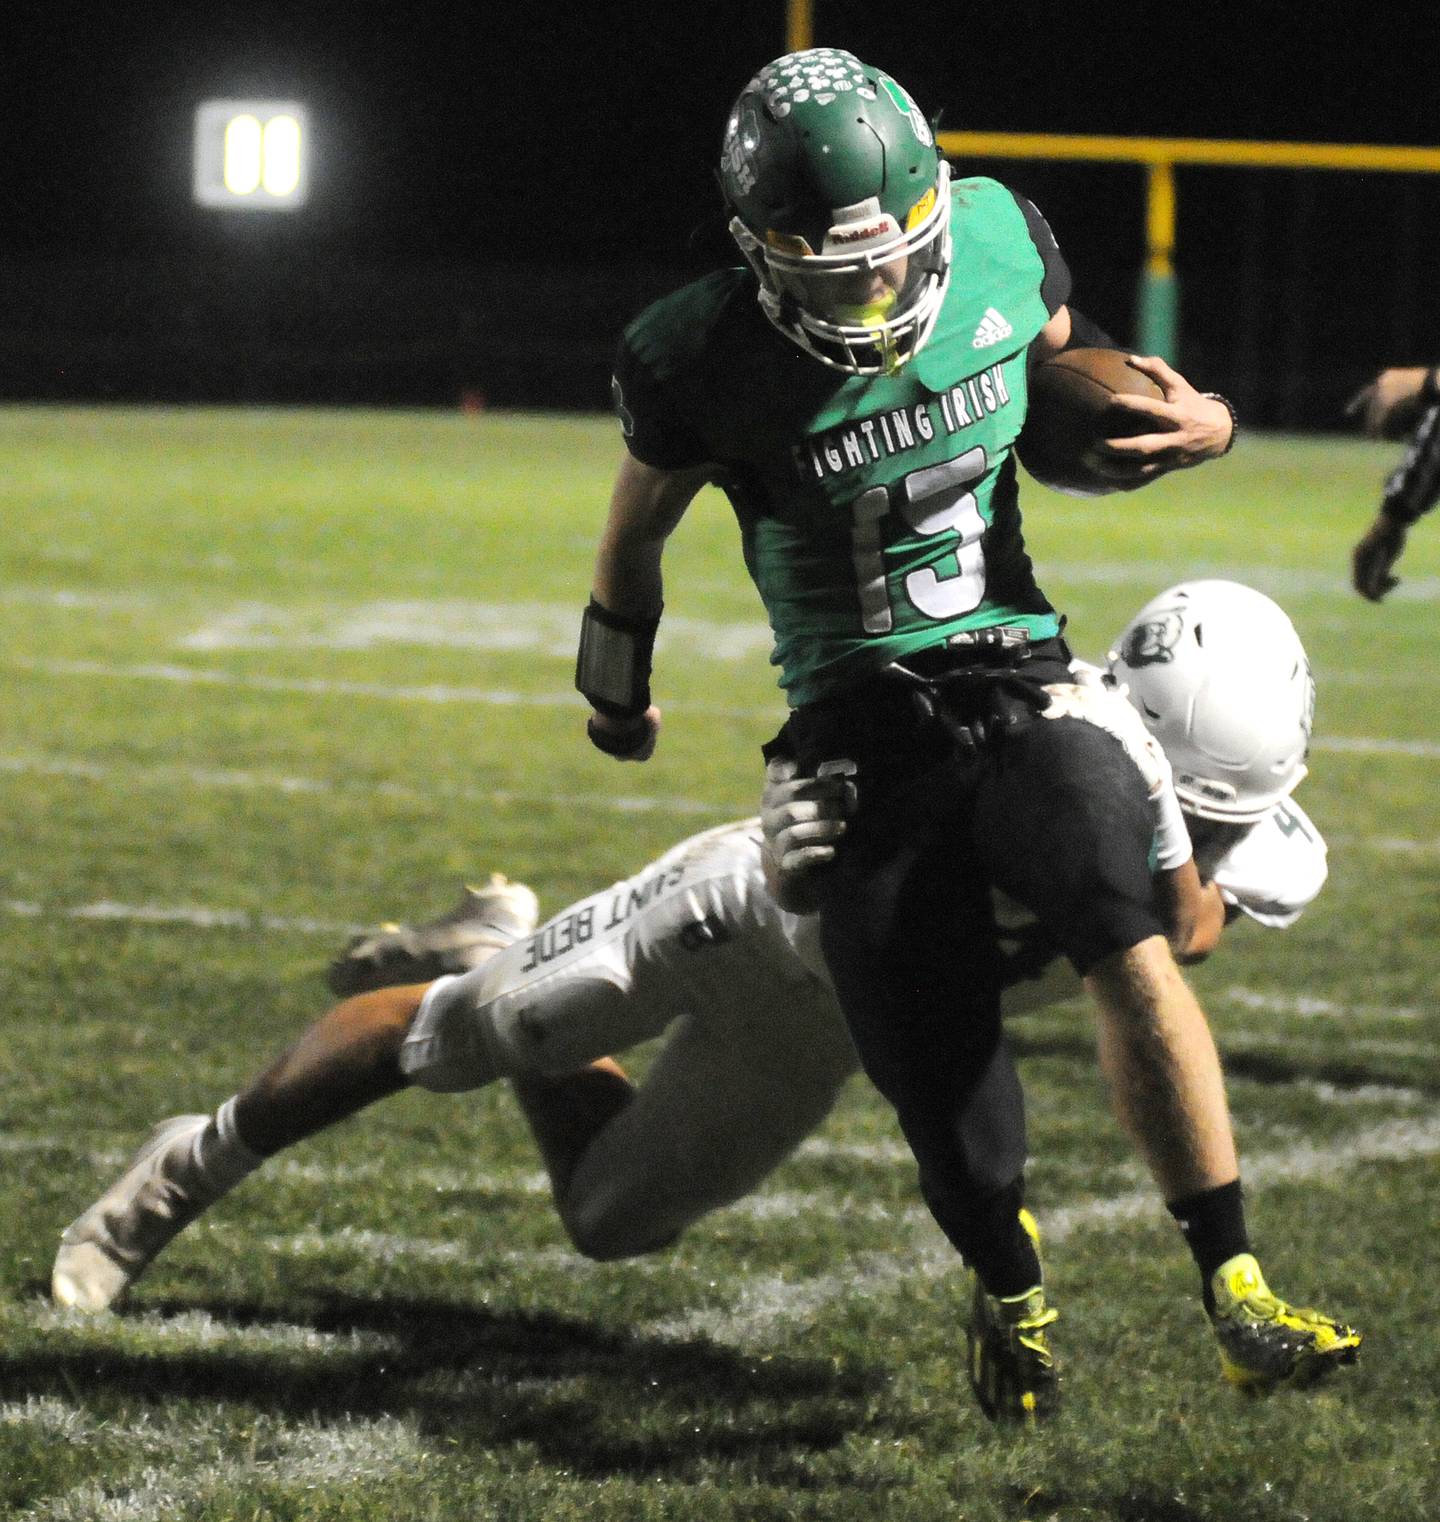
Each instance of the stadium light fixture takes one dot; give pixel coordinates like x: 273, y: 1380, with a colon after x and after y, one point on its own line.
x: 251, y: 155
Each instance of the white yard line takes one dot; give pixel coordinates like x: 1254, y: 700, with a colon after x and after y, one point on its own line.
x: 373, y: 1246
x: 68, y: 600
x: 887, y: 1153
x: 1391, y: 1095
x: 444, y: 693
x: 199, y: 1329
x: 769, y: 1304
x: 772, y: 1300
x: 527, y: 628
x: 478, y: 1181
x: 82, y: 769
x: 387, y: 1248
x: 170, y: 776
x: 207, y: 917
x: 378, y: 619
x: 175, y: 1473
x: 435, y: 692
x: 502, y: 1183
x: 194, y: 916
x: 1307, y: 1007
x: 1370, y: 745
x: 1387, y: 845
x: 1401, y: 1051
x: 197, y: 676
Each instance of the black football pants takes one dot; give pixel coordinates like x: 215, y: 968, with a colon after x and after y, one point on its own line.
x: 1052, y: 813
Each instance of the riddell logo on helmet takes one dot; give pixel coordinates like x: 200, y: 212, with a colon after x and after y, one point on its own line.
x: 860, y: 232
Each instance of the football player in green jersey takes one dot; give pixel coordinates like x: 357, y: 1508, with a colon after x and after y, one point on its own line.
x: 857, y: 389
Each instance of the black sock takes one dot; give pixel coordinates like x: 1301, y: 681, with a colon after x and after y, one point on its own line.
x: 1213, y: 1222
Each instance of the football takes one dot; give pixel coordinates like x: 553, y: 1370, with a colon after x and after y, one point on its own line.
x: 1075, y: 401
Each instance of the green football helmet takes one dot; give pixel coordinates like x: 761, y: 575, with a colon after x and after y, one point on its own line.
x: 840, y: 203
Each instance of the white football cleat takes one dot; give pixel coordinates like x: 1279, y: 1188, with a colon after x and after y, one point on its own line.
x: 486, y: 920
x: 105, y: 1250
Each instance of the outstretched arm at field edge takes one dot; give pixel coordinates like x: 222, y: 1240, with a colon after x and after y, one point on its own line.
x: 646, y: 504
x: 1390, y: 405
x: 1411, y: 490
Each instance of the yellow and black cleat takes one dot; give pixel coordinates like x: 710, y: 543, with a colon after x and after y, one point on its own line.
x: 1012, y: 1366
x: 1266, y: 1344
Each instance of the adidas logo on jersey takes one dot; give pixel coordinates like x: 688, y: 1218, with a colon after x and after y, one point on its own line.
x: 992, y: 329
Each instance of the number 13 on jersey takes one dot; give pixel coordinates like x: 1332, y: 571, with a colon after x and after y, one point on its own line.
x: 932, y: 501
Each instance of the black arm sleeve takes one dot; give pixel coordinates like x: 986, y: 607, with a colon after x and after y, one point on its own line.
x: 1414, y: 484
x: 1055, y: 285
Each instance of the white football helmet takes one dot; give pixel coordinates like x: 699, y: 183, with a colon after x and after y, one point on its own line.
x: 1220, y: 678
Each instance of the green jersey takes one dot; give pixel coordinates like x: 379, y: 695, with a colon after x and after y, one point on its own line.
x: 879, y: 514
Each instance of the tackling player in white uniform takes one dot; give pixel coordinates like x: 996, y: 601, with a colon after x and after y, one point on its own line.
x: 696, y: 946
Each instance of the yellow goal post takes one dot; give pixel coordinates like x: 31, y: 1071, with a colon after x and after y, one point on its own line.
x: 1156, y: 320
x: 1158, y: 302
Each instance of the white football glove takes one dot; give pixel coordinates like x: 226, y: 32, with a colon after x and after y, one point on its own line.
x: 1095, y: 699
x: 804, y: 817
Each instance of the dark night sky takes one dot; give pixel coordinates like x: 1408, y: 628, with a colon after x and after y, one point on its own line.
x: 566, y: 131
x: 457, y: 147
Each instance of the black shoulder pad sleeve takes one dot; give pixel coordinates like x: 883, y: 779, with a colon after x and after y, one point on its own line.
x: 1055, y: 286
x: 654, y: 433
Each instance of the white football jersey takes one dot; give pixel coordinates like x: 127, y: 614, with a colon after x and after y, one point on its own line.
x: 696, y: 933
x: 1276, y: 867
x: 755, y: 1050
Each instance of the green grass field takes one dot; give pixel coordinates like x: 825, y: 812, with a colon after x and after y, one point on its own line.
x: 267, y: 676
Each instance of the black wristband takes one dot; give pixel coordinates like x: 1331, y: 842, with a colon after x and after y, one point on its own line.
x: 612, y: 668
x: 1229, y: 406
x: 1430, y: 387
